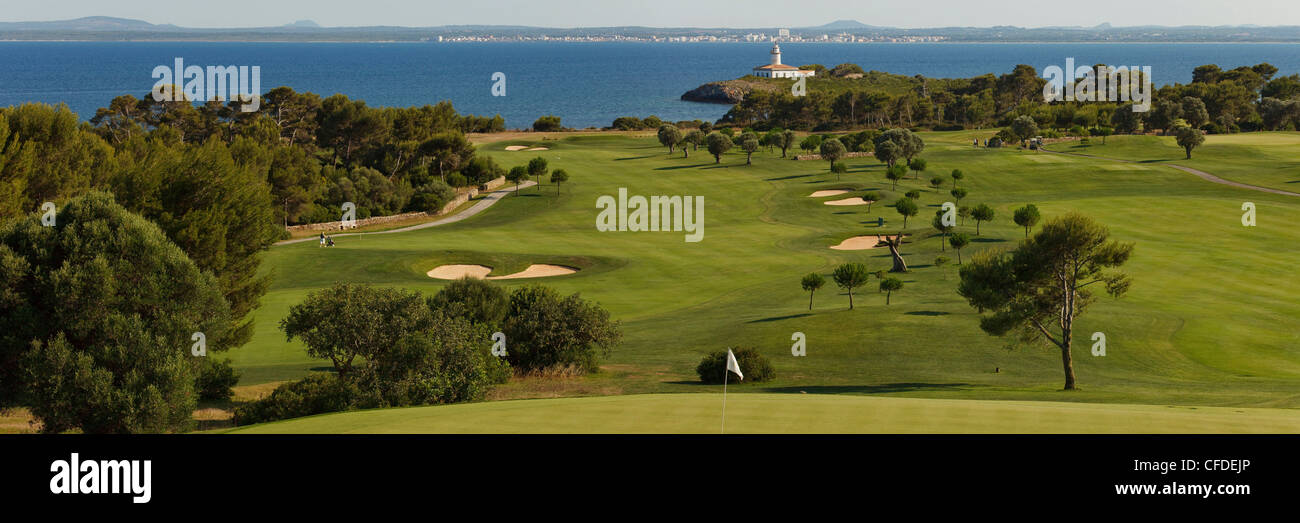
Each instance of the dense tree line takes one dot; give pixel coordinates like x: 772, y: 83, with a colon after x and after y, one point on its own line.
x: 632, y: 123
x: 318, y: 153
x: 1216, y: 101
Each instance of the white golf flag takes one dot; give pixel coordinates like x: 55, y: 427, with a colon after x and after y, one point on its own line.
x: 733, y: 365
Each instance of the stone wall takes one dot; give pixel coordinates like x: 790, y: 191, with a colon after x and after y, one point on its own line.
x: 463, y: 195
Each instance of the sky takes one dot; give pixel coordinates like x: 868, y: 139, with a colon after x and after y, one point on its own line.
x: 669, y: 13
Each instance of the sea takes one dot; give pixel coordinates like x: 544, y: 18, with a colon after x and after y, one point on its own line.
x: 587, y: 84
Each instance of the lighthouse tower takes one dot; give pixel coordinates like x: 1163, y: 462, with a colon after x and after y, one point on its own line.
x: 776, y: 69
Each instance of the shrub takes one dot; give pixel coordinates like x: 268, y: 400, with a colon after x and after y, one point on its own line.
x: 755, y: 366
x: 475, y: 300
x: 315, y: 394
x: 431, y: 197
x: 548, y: 123
x: 216, y: 377
x: 447, y: 364
x: 628, y: 123
x: 545, y: 330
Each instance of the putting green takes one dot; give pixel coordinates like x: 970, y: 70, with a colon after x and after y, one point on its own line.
x: 788, y: 413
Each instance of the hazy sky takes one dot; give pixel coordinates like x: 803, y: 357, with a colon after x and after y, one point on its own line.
x: 670, y: 13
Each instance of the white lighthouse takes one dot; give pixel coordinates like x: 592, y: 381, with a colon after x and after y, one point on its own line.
x: 776, y: 69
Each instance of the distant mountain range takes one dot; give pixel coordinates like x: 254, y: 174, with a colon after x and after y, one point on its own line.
x: 110, y: 28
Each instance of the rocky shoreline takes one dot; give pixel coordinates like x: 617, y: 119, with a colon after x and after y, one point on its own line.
x: 729, y: 92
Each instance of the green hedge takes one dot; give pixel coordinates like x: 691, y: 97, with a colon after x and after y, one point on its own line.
x: 755, y: 366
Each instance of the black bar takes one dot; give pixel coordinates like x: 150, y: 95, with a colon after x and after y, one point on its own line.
x: 998, y: 473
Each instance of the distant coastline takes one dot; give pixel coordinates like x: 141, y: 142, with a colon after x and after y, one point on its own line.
x: 847, y: 44
x: 102, y: 29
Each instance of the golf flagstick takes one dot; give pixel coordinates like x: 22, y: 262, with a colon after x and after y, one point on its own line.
x: 732, y: 366
x: 725, y: 375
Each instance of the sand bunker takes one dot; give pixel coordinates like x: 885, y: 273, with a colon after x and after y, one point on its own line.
x: 538, y: 149
x: 858, y: 243
x: 829, y: 192
x: 537, y: 270
x: 849, y: 201
x: 456, y: 272
x: 516, y: 147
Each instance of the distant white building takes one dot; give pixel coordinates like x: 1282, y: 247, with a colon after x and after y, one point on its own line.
x: 776, y: 69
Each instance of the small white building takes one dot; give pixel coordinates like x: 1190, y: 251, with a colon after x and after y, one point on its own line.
x: 776, y: 69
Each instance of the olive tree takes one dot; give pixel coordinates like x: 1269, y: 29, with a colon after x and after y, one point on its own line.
x: 832, y: 151
x: 347, y: 321
x: 786, y: 142
x: 749, y: 144
x: 695, y: 138
x: 669, y: 136
x: 1188, y: 138
x: 547, y: 330
x: 1024, y: 128
x: 718, y: 144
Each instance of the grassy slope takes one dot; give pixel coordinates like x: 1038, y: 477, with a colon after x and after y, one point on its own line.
x: 1212, y: 318
x: 788, y: 413
x: 1263, y: 159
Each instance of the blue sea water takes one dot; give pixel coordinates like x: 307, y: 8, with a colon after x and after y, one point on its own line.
x: 587, y: 84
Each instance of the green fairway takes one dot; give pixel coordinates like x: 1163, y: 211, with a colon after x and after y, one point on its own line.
x: 1212, y: 318
x: 1265, y: 159
x: 788, y: 413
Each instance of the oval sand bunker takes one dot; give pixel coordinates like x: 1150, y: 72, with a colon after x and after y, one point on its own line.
x: 848, y: 201
x: 536, y: 270
x: 858, y: 243
x: 828, y: 192
x: 456, y: 272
